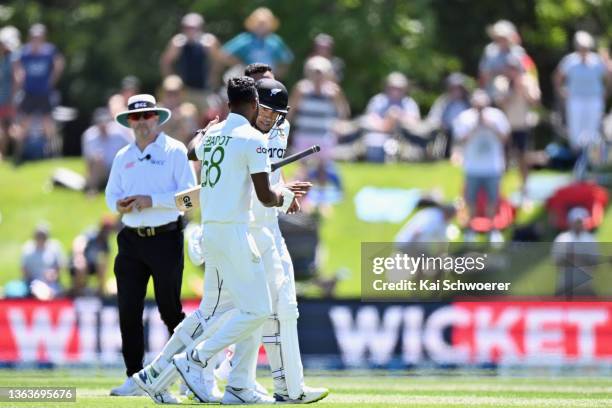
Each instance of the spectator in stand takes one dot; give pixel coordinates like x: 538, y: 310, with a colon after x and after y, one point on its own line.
x: 388, y: 113
x: 184, y: 119
x: 448, y: 106
x: 37, y: 69
x: 130, y: 86
x: 429, y: 224
x: 260, y: 43
x: 90, y: 251
x: 579, y: 80
x: 193, y: 55
x: 494, y: 58
x: 100, y: 143
x: 482, y: 131
x: 7, y: 91
x: 316, y: 102
x: 516, y: 93
x: 41, y: 262
x: 323, y: 45
x: 576, y: 254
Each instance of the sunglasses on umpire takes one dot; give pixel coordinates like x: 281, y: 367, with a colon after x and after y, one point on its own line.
x: 137, y: 115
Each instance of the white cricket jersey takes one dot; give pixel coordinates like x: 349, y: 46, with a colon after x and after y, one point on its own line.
x: 230, y: 152
x: 277, y: 146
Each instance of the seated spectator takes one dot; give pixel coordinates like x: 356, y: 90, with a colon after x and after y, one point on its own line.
x: 323, y: 45
x: 317, y: 103
x: 387, y: 113
x: 424, y: 233
x: 130, y: 86
x: 259, y: 43
x: 516, y: 92
x: 41, y: 262
x: 100, y: 143
x: 184, y: 119
x: 89, y: 256
x: 576, y: 254
x: 428, y: 225
x: 482, y: 131
x: 448, y: 106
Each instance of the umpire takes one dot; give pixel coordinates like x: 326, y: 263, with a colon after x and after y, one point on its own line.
x: 143, y: 180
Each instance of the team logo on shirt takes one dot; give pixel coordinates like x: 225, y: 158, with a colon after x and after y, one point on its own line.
x: 272, y: 152
x: 129, y: 165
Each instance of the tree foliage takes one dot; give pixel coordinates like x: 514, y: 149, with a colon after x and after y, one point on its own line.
x: 426, y: 39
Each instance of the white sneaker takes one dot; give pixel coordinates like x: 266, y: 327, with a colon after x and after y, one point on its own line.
x: 127, y: 389
x: 496, y: 238
x: 191, y: 371
x: 261, y: 389
x: 144, y: 380
x: 309, y: 395
x: 241, y: 396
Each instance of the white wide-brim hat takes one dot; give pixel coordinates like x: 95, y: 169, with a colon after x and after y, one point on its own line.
x: 143, y: 103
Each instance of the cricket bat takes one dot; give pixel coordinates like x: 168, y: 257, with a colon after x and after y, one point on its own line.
x: 189, y: 199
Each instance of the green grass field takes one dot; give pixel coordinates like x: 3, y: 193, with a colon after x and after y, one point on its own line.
x: 377, y: 389
x: 26, y: 197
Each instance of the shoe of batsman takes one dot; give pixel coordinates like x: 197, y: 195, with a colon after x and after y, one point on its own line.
x: 244, y: 396
x: 309, y: 395
x: 191, y: 372
x: 145, y: 381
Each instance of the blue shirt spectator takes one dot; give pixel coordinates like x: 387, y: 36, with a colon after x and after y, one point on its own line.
x: 249, y: 48
x: 38, y: 67
x: 259, y: 43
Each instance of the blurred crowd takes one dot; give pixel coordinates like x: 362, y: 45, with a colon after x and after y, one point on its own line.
x: 482, y: 123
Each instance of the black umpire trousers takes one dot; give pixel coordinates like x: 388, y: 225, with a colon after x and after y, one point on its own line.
x: 138, y: 258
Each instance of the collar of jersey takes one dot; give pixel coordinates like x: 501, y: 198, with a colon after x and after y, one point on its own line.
x: 237, y: 119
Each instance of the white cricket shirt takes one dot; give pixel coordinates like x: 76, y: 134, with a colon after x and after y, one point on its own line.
x: 230, y: 152
x: 277, y: 146
x: 160, y: 171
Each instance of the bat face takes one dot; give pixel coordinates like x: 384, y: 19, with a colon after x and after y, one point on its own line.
x: 187, y: 202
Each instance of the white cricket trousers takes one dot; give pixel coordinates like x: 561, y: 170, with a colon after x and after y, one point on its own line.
x: 281, y: 283
x: 235, y: 276
x: 584, y: 116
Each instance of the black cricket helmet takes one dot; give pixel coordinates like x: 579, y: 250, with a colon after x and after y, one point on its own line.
x: 273, y: 95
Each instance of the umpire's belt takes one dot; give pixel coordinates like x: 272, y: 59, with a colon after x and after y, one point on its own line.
x: 152, y: 231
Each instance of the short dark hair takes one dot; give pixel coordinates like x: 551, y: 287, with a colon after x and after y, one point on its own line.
x: 257, y: 68
x: 241, y: 90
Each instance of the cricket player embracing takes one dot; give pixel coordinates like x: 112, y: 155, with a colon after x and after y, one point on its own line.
x: 236, y: 300
x: 280, y: 336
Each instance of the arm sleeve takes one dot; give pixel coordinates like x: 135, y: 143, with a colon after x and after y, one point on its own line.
x: 184, y: 177
x: 257, y: 156
x: 113, y: 190
x: 199, y: 150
